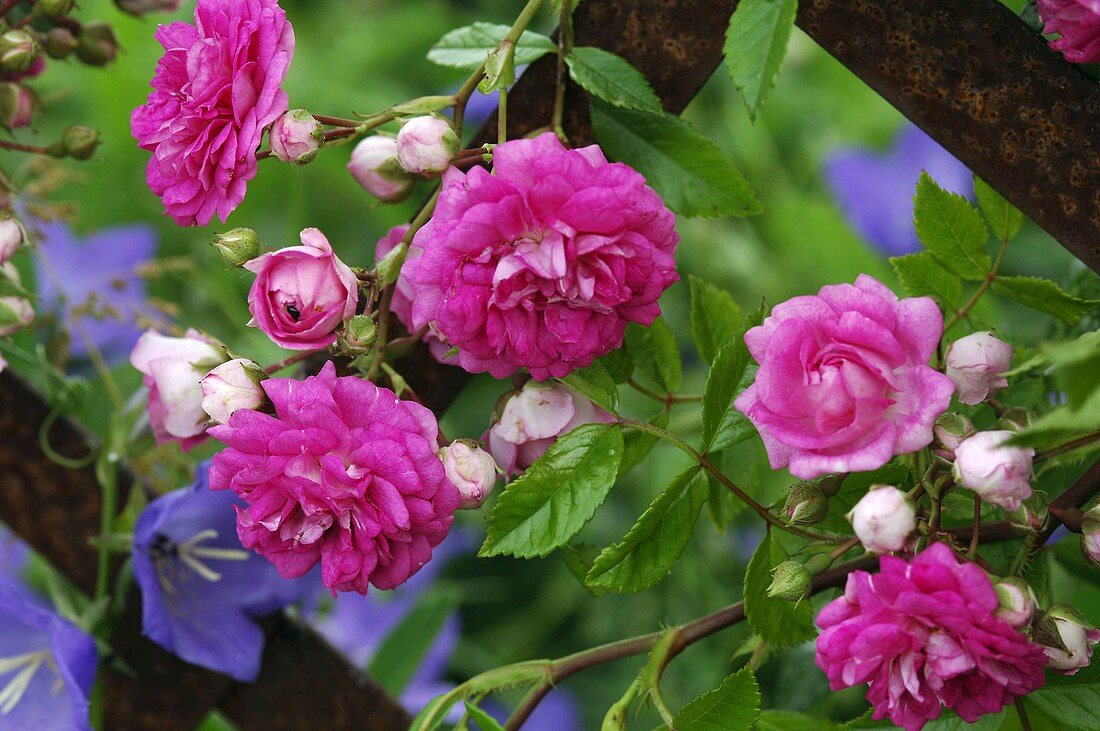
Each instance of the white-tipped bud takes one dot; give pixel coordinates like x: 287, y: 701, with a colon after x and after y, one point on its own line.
x: 374, y: 166
x: 426, y: 145
x: 471, y: 469
x: 950, y: 429
x: 883, y: 519
x: 975, y: 363
x: 1000, y: 474
x: 1090, y: 535
x: 232, y: 386
x: 1067, y: 638
x: 1016, y: 602
x: 15, y: 314
x: 11, y: 238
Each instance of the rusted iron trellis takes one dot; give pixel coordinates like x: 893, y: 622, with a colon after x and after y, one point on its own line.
x: 968, y: 72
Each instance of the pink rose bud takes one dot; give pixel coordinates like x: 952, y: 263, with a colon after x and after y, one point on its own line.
x: 296, y: 137
x: 999, y: 473
x: 18, y: 105
x: 143, y: 7
x: 471, y: 469
x: 232, y: 386
x: 975, y: 363
x: 302, y: 294
x: 11, y: 238
x: 3, y: 363
x: 426, y: 145
x: 533, y: 418
x: 1016, y: 602
x: 173, y: 369
x: 1090, y: 535
x: 15, y: 314
x: 1067, y: 638
x: 950, y: 430
x: 806, y: 504
x: 374, y: 166
x: 883, y: 519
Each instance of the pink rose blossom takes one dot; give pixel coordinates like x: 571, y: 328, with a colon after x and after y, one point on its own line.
x: 975, y: 363
x: 1000, y: 474
x: 302, y: 293
x: 843, y: 383
x: 345, y: 473
x: 216, y: 88
x: 1078, y: 24
x: 542, y: 264
x: 923, y: 634
x: 173, y: 369
x: 533, y: 418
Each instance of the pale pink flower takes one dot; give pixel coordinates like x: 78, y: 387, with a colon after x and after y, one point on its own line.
x: 374, y: 166
x: 471, y: 469
x: 230, y: 387
x: 975, y: 363
x: 426, y: 145
x: 883, y: 519
x: 999, y: 473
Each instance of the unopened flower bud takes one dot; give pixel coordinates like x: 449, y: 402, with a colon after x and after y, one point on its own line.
x: 1031, y: 515
x: 56, y: 8
x: 790, y: 582
x: 975, y: 363
x: 998, y: 473
x: 883, y: 519
x: 18, y: 105
x: 237, y: 246
x: 1016, y: 602
x: 230, y: 387
x: 374, y: 166
x: 296, y: 137
x: 18, y: 50
x: 15, y: 314
x: 79, y: 142
x: 426, y: 145
x: 1014, y: 419
x: 1090, y: 535
x: 11, y: 238
x: 806, y: 504
x: 59, y: 42
x: 1067, y: 638
x: 97, y: 44
x: 358, y: 335
x: 142, y: 7
x: 471, y: 469
x: 950, y: 429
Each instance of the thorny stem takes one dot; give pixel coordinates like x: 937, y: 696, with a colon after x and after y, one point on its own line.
x: 1077, y: 443
x: 20, y: 147
x: 565, y: 45
x: 462, y: 96
x: 982, y: 288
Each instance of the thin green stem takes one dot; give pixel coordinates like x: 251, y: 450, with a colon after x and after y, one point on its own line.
x: 462, y: 97
x: 502, y: 118
x: 667, y: 398
x: 565, y: 45
x: 53, y: 455
x: 982, y: 288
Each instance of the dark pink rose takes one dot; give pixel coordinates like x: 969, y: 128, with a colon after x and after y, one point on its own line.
x: 1078, y: 24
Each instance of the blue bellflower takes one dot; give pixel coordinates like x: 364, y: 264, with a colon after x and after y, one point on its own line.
x: 201, y: 590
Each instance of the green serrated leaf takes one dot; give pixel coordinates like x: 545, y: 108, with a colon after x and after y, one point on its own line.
x: 693, y: 176
x: 466, y: 48
x: 400, y: 654
x: 654, y: 352
x: 791, y: 721
x: 714, y: 317
x: 654, y: 544
x: 1002, y: 216
x: 618, y: 365
x: 732, y: 706
x: 724, y: 426
x: 550, y: 502
x: 951, y: 229
x: 578, y: 558
x: 595, y: 383
x: 1045, y: 296
x: 756, y: 43
x: 612, y: 78
x: 1072, y: 699
x: 781, y: 623
x: 920, y: 274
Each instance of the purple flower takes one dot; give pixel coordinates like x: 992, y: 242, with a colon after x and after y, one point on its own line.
x: 93, y: 287
x: 201, y: 590
x: 875, y: 190
x: 47, y: 668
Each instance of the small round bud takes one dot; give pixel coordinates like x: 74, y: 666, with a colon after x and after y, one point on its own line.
x: 142, y: 7
x: 296, y: 137
x: 18, y: 50
x: 374, y: 166
x: 806, y: 504
x: 358, y: 335
x: 790, y: 582
x: 1014, y: 419
x: 950, y: 429
x: 883, y: 519
x: 15, y: 314
x: 1000, y: 474
x: 11, y: 238
x: 1067, y: 638
x: 237, y: 246
x: 471, y: 469
x: 975, y: 363
x: 59, y: 42
x: 1016, y: 602
x: 79, y: 142
x: 56, y: 8
x: 232, y: 386
x: 426, y: 145
x: 18, y: 105
x: 1031, y: 515
x: 97, y: 44
x: 1090, y: 535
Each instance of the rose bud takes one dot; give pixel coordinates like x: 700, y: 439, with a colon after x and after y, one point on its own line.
x: 172, y: 370
x: 18, y: 105
x: 1031, y: 515
x: 358, y: 335
x: 1017, y: 603
x: 883, y: 519
x: 426, y: 145
x: 97, y: 44
x: 999, y: 473
x: 374, y: 166
x: 237, y: 246
x: 1014, y: 419
x: 59, y: 42
x: 18, y: 50
x: 3, y: 363
x: 949, y: 430
x: 471, y: 469
x: 1090, y: 535
x: 232, y: 386
x: 15, y: 314
x: 975, y: 363
x: 302, y: 293
x: 56, y: 8
x: 11, y: 238
x: 533, y: 418
x: 142, y: 7
x: 79, y: 142
x: 790, y: 582
x: 296, y: 137
x: 806, y: 504
x: 1067, y: 638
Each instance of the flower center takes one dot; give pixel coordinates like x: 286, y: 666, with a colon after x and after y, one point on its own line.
x: 193, y: 555
x: 24, y: 667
